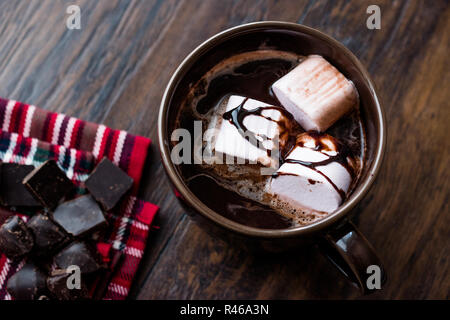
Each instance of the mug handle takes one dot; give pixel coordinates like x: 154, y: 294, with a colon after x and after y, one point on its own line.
x: 354, y: 256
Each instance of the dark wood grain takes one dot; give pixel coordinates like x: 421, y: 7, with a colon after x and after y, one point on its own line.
x: 114, y: 71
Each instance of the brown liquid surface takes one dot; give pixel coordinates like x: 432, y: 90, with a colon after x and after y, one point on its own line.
x: 251, y: 75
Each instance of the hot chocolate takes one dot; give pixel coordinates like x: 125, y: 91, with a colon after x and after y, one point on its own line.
x: 237, y: 94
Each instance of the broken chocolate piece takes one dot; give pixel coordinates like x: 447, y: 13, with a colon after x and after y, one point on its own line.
x: 15, y: 238
x: 78, y: 254
x: 48, y: 236
x: 49, y: 184
x: 14, y: 193
x: 80, y: 217
x: 5, y: 214
x: 27, y: 284
x: 108, y: 183
x: 58, y: 284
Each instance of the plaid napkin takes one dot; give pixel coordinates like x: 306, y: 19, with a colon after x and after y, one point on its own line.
x: 30, y: 135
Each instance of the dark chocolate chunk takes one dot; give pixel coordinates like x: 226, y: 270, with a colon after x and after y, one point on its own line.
x: 13, y: 192
x: 45, y: 262
x: 5, y: 214
x: 108, y: 183
x: 57, y: 284
x: 78, y: 254
x: 49, y: 184
x: 15, y: 238
x: 80, y: 217
x: 48, y: 236
x: 27, y: 284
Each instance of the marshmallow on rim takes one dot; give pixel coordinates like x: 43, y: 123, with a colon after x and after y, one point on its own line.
x: 316, y: 93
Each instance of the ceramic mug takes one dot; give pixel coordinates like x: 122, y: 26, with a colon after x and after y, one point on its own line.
x: 337, y: 237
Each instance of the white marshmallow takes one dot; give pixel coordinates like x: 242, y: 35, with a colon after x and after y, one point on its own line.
x: 230, y: 142
x: 316, y: 93
x: 307, y: 188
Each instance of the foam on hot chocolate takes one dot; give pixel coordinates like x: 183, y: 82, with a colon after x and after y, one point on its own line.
x: 230, y: 67
x: 311, y: 183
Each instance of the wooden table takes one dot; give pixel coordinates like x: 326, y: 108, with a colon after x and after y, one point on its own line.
x: 114, y: 71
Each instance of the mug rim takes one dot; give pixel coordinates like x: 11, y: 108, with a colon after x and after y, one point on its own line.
x: 219, y: 219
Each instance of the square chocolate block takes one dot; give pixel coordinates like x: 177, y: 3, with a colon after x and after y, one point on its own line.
x: 78, y: 254
x: 108, y: 183
x: 48, y: 236
x: 80, y: 217
x: 57, y: 285
x: 15, y: 238
x: 28, y: 283
x: 13, y: 192
x: 49, y: 184
x: 5, y: 214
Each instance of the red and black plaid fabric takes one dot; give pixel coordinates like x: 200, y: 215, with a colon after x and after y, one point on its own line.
x: 30, y: 135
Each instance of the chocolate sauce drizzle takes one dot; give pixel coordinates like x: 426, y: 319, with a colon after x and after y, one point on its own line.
x: 237, y: 115
x: 341, y: 157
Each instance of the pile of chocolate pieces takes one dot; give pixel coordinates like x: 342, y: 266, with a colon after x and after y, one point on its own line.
x: 59, y: 233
